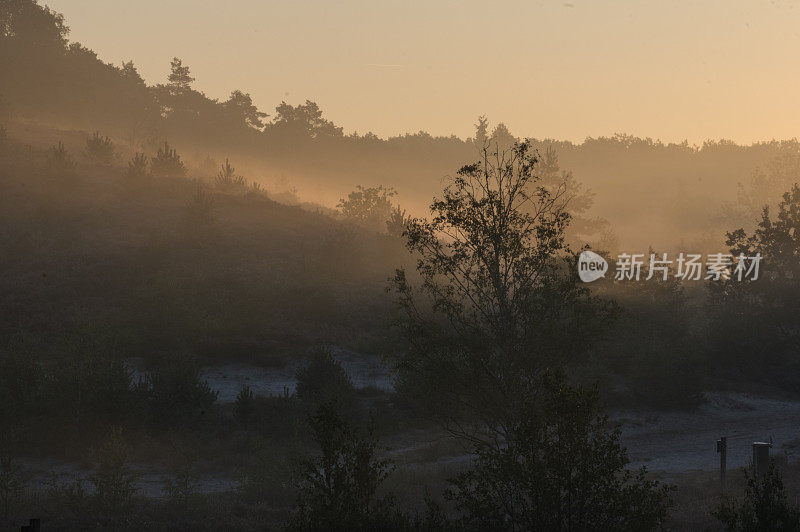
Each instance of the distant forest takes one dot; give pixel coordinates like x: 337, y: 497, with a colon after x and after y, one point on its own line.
x: 152, y: 238
x: 700, y: 191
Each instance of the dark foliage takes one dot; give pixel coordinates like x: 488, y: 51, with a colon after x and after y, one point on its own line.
x: 754, y: 328
x: 323, y: 380
x: 338, y: 488
x: 177, y: 396
x: 60, y: 162
x: 764, y: 507
x: 137, y: 166
x: 100, y: 149
x: 562, y: 468
x: 167, y: 163
x: 499, y: 300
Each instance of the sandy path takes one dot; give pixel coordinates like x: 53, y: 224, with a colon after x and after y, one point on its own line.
x: 681, y: 441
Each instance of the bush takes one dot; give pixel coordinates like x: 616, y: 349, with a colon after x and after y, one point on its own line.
x: 269, y: 477
x: 397, y: 222
x: 137, y: 166
x: 113, y: 478
x: 109, y: 506
x: 368, y: 207
x: 89, y: 382
x: 199, y: 216
x: 338, y: 487
x: 167, y: 163
x: 100, y: 149
x: 86, y: 385
x: 245, y: 406
x: 177, y: 395
x: 561, y: 470
x: 227, y: 179
x: 60, y: 162
x: 182, y: 487
x: 324, y: 380
x: 764, y: 506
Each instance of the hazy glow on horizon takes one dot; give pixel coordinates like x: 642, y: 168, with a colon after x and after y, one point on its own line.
x: 564, y: 70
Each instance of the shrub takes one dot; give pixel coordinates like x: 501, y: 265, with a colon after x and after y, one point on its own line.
x: 177, y: 395
x: 137, y: 166
x: 100, y: 149
x: 257, y: 189
x: 324, y: 380
x: 113, y: 478
x: 60, y: 162
x: 397, y: 222
x: 561, y: 469
x: 227, y: 179
x: 167, y: 163
x: 199, y: 215
x: 182, y: 486
x: 338, y: 487
x: 245, y: 405
x: 89, y: 382
x: 269, y: 477
x: 369, y: 207
x: 764, y: 506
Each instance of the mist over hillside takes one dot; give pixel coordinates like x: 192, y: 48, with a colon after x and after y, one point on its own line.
x: 652, y: 193
x: 220, y: 317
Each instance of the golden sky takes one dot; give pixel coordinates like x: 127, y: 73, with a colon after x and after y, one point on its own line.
x: 672, y: 70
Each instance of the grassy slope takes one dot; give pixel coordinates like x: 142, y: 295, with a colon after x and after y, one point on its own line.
x: 124, y: 253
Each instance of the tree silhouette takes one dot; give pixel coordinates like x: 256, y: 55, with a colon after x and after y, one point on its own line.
x: 759, y: 316
x: 368, y: 207
x: 481, y: 131
x: 240, y: 107
x: 137, y: 166
x: 338, y: 487
x: 179, y: 79
x: 502, y: 137
x: 25, y: 23
x: 499, y: 300
x: 227, y: 179
x: 167, y: 163
x: 100, y: 149
x: 303, y: 121
x: 398, y: 222
x: 131, y: 73
x: 562, y: 469
x: 764, y: 506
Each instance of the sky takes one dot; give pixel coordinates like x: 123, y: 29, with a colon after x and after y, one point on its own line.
x: 671, y: 70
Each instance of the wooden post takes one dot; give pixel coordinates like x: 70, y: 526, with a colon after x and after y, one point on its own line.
x: 722, y: 449
x: 761, y: 457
